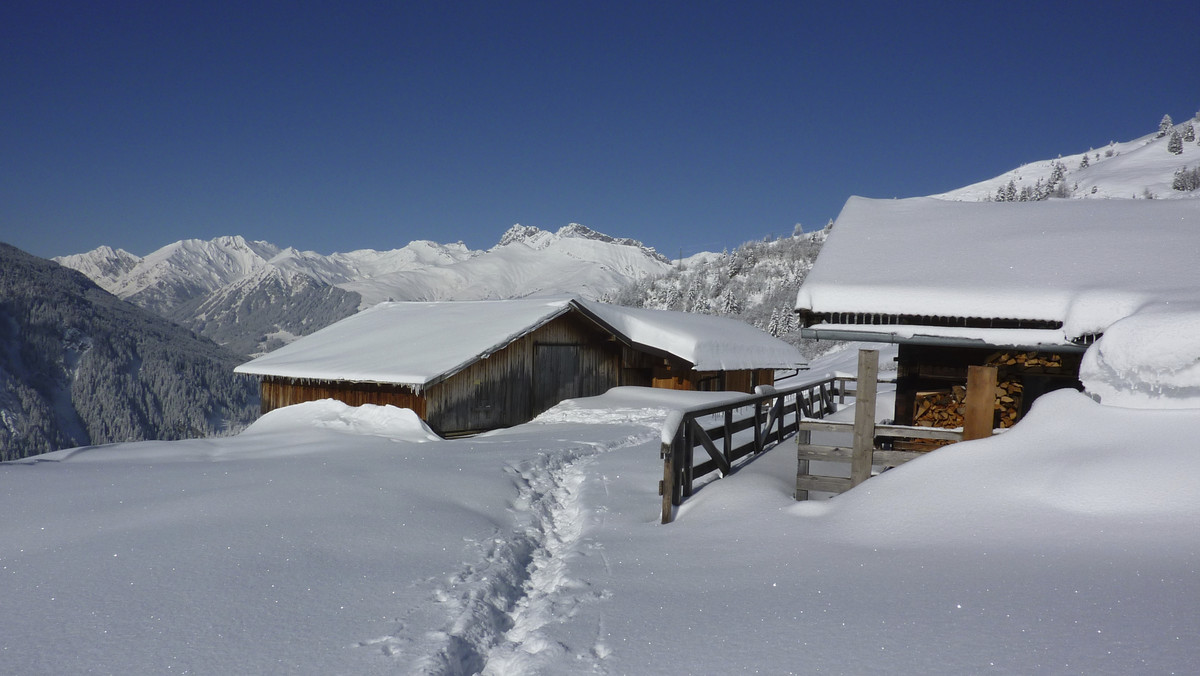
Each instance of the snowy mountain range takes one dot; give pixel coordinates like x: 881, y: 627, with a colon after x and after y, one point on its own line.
x: 253, y: 296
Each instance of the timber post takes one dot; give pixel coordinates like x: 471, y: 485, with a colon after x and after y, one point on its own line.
x: 980, y: 402
x: 864, y: 416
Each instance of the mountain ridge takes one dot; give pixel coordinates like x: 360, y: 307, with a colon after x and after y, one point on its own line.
x: 223, y: 288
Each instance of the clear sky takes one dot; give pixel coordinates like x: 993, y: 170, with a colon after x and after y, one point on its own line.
x: 692, y: 126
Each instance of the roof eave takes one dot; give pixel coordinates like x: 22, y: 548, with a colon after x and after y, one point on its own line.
x: 818, y: 333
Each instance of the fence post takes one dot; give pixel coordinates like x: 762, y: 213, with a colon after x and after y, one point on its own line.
x: 803, y: 438
x: 667, y: 487
x: 758, y: 432
x: 864, y: 416
x: 780, y: 416
x: 728, y: 435
x: 689, y: 447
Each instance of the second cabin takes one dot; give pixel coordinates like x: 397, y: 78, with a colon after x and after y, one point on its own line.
x: 1025, y: 287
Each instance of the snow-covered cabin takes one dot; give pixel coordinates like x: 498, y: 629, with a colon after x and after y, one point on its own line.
x: 1027, y: 287
x: 469, y: 366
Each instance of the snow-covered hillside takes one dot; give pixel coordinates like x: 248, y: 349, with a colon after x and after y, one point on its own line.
x: 253, y: 296
x: 1146, y: 167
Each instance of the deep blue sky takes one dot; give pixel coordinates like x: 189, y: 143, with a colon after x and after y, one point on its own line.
x: 689, y: 125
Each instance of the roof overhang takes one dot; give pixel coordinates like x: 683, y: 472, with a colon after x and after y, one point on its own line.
x: 995, y: 338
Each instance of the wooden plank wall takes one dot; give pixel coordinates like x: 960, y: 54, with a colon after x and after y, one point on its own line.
x: 279, y: 392
x: 677, y: 378
x: 499, y: 391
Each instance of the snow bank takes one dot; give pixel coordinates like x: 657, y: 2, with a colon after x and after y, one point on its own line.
x: 1148, y: 360
x: 401, y: 424
x: 1069, y: 459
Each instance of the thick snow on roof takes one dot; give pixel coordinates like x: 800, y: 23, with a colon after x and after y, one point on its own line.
x: 414, y: 343
x: 1086, y: 263
x: 709, y: 343
x: 406, y: 343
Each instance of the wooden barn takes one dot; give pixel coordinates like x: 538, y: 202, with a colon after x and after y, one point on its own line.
x: 471, y: 366
x: 1023, y: 287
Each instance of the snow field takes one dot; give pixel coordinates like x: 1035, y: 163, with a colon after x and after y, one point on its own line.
x: 350, y: 544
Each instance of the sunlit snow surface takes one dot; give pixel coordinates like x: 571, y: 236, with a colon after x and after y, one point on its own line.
x: 330, y: 540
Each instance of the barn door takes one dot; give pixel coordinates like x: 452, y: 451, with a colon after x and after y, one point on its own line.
x: 557, y: 375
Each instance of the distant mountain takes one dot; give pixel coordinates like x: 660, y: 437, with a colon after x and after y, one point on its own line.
x: 253, y: 296
x: 1148, y: 167
x: 79, y: 366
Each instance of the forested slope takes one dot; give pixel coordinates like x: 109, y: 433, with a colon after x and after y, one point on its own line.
x: 79, y: 366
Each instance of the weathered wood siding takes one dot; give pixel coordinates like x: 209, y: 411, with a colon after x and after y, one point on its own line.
x: 679, y: 377
x: 566, y: 358
x: 279, y: 392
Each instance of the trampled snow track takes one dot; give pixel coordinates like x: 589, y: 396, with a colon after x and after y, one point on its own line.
x: 498, y: 606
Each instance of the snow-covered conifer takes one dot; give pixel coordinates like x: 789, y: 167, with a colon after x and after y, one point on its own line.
x: 1175, y: 144
x: 1164, y: 126
x: 1189, y: 133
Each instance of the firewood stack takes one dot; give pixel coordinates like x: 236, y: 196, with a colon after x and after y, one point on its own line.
x: 945, y: 408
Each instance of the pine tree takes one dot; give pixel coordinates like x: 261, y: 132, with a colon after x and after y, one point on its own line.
x: 1175, y: 145
x: 1189, y: 133
x: 1083, y: 163
x: 1164, y: 126
x: 1186, y: 180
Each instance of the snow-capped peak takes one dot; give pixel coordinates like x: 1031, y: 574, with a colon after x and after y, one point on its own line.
x: 522, y: 233
x: 538, y: 239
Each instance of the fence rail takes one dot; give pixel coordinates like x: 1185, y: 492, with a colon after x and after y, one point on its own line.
x: 772, y: 413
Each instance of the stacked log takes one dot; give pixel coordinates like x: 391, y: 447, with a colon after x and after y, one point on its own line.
x: 1008, y: 402
x: 1025, y: 360
x: 945, y: 408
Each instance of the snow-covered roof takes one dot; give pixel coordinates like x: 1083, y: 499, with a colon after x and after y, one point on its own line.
x: 416, y: 343
x: 710, y: 343
x: 1084, y: 263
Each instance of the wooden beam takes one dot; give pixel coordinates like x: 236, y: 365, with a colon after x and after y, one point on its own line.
x: 826, y: 453
x: 980, y: 402
x: 716, y: 455
x: 864, y: 416
x: 669, y: 488
x: 827, y: 484
x: 803, y: 438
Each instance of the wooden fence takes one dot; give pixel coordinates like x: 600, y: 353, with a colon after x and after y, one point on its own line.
x: 733, y: 429
x: 873, y: 444
x: 773, y: 414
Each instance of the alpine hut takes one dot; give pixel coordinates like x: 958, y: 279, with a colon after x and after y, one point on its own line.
x: 1025, y: 287
x: 470, y: 366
